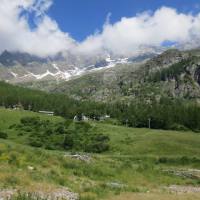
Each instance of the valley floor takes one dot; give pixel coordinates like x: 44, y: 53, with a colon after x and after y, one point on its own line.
x: 141, y: 164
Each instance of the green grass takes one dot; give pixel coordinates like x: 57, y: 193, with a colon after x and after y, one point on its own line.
x: 9, y: 117
x: 140, y: 141
x: 136, y: 160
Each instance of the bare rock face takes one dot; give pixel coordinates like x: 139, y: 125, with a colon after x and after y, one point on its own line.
x: 184, y: 189
x: 59, y: 194
x: 7, y: 194
x: 173, y: 73
x: 189, y: 173
x: 116, y: 185
x: 83, y: 157
x: 54, y: 194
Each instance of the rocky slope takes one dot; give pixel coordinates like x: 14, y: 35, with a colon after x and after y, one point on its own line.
x: 23, y: 68
x: 174, y: 74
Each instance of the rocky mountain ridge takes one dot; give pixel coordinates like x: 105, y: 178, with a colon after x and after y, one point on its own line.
x: 174, y: 74
x: 16, y: 67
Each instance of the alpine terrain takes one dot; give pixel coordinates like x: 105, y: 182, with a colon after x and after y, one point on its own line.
x: 99, y: 100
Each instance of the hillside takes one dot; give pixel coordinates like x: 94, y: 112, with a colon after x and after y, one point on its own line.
x: 163, y: 113
x: 99, y: 100
x: 141, y: 164
x: 25, y: 68
x: 172, y: 74
x: 35, y: 100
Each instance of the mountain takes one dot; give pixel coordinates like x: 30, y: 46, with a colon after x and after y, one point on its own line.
x: 23, y: 68
x: 174, y: 74
x: 147, y: 74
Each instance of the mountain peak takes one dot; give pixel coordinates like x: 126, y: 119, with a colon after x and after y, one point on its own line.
x: 24, y: 67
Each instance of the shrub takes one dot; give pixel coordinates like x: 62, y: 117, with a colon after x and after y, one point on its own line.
x: 68, y: 122
x: 82, y: 126
x: 12, y: 158
x: 178, y: 127
x: 3, y: 135
x: 55, y: 136
x: 162, y: 160
x: 35, y: 143
x: 101, y: 138
x: 68, y: 142
x: 48, y: 131
x: 11, y: 181
x: 98, y: 143
x: 27, y: 129
x: 28, y: 121
x: 49, y: 147
x: 60, y: 129
x: 97, y: 147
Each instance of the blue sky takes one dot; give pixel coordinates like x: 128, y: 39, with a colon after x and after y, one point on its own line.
x: 81, y: 18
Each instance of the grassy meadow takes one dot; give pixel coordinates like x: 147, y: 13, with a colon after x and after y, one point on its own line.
x: 137, y: 166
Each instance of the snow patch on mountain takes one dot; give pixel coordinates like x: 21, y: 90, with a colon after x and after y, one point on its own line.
x: 30, y: 68
x: 70, y: 73
x: 14, y: 74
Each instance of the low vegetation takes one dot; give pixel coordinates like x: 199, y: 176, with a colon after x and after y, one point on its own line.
x: 172, y: 72
x: 137, y: 164
x: 165, y: 113
x: 66, y: 135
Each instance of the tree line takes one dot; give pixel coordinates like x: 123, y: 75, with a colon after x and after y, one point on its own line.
x: 176, y: 114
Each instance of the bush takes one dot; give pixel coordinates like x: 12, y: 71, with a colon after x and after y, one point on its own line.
x: 12, y: 181
x: 27, y: 129
x: 3, y: 135
x: 98, y: 144
x: 162, y: 160
x: 97, y: 147
x: 79, y: 136
x: 68, y: 122
x: 35, y: 143
x: 49, y: 147
x: 28, y: 121
x: 82, y: 126
x: 178, y: 127
x: 48, y: 131
x: 60, y: 129
x: 13, y: 159
x: 101, y: 138
x: 68, y: 142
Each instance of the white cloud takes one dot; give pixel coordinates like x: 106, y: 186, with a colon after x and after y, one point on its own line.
x: 123, y: 37
x: 16, y: 34
x: 145, y: 29
x: 41, y: 6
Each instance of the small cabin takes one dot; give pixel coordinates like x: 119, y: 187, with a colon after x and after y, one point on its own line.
x: 84, y: 118
x: 104, y: 117
x: 17, y: 107
x: 81, y: 118
x: 50, y: 113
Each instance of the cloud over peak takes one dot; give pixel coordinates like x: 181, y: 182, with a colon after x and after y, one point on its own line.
x: 146, y: 29
x: 123, y: 37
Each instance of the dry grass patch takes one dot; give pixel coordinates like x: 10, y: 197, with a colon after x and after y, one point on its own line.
x: 151, y: 196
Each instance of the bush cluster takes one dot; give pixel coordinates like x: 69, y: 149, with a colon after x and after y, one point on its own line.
x: 78, y: 136
x: 3, y: 135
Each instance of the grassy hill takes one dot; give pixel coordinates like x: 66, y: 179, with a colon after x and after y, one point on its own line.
x: 140, y: 164
x: 9, y: 117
